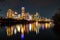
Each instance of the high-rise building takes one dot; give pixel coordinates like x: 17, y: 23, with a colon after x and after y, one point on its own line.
x: 36, y: 16
x: 9, y: 13
x: 22, y: 11
x: 15, y: 15
x: 37, y: 13
x: 27, y: 15
x: 19, y: 15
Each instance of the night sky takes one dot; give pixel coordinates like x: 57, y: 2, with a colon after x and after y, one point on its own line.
x: 46, y: 8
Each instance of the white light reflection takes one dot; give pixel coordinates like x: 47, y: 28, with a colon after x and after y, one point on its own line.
x: 30, y: 26
x: 18, y: 28
x: 15, y: 31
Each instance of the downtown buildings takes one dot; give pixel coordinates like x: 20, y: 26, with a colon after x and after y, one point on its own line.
x: 23, y: 15
x: 39, y: 22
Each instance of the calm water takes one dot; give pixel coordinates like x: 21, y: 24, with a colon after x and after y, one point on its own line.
x: 44, y: 34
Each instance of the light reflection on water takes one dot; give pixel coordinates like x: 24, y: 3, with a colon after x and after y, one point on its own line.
x: 26, y: 28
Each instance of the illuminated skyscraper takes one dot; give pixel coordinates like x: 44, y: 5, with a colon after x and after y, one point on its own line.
x: 18, y: 15
x: 36, y: 15
x: 27, y: 16
x: 9, y: 13
x: 15, y: 15
x: 23, y: 11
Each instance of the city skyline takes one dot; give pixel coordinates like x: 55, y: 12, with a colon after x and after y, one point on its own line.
x: 24, y: 15
x: 45, y: 8
x: 28, y: 22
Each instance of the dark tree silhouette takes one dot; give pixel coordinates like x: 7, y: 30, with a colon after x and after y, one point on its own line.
x: 56, y: 19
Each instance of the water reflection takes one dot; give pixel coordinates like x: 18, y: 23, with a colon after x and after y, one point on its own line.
x: 27, y: 28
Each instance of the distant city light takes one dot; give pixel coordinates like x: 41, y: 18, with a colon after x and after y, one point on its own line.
x: 35, y: 22
x: 30, y: 27
x: 22, y: 36
x: 42, y: 26
x: 15, y: 31
x: 18, y: 28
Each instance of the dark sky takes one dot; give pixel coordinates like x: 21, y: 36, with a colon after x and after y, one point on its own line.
x: 46, y: 8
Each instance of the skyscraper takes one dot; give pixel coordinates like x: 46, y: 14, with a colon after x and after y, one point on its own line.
x: 22, y: 11
x: 9, y: 13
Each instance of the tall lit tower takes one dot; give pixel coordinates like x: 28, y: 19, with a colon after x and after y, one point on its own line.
x: 15, y: 15
x: 36, y: 16
x: 23, y: 11
x: 23, y: 15
x: 9, y: 13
